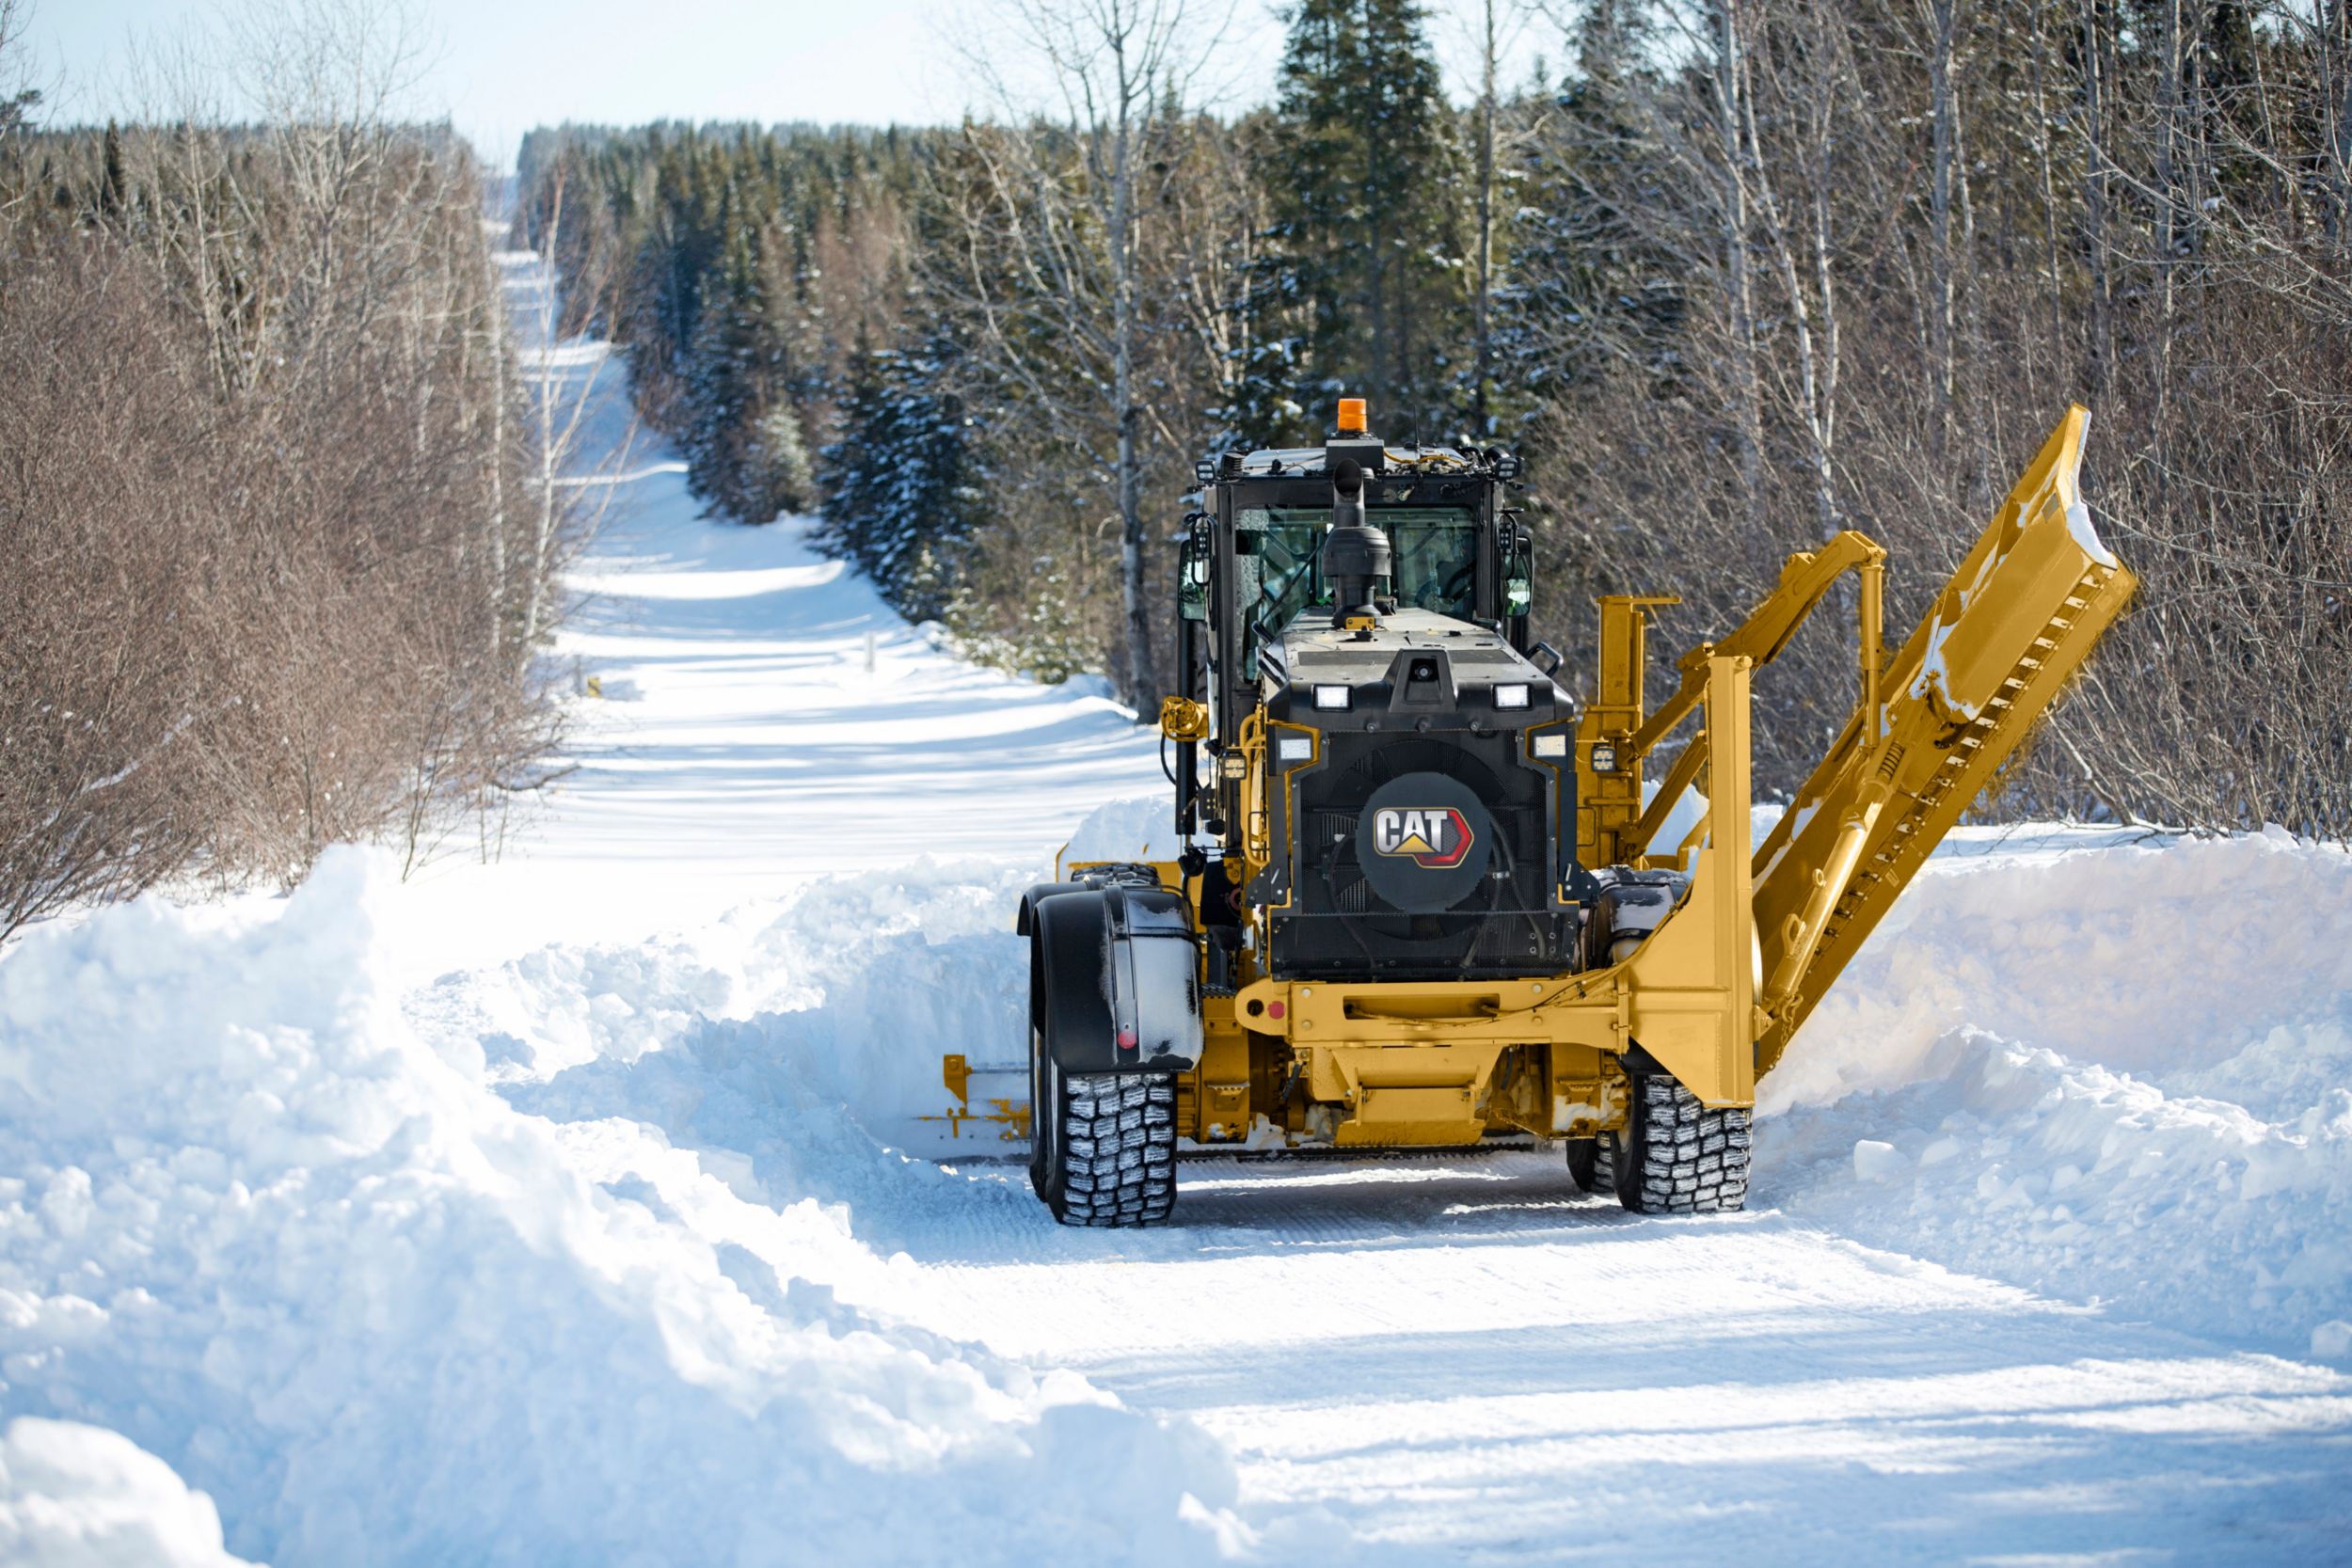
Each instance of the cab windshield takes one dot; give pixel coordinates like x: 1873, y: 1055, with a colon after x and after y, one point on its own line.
x: 1275, y: 551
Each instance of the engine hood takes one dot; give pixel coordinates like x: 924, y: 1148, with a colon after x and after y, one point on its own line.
x: 1416, y: 670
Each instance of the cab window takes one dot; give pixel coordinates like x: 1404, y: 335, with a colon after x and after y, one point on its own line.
x: 1277, y: 550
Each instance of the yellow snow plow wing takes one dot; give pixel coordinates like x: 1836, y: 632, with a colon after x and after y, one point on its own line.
x: 2019, y: 615
x: 1933, y: 724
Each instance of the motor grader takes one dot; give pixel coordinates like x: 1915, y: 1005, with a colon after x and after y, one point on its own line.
x: 1427, y: 898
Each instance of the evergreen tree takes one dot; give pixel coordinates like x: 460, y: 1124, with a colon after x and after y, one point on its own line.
x: 1587, y: 295
x: 777, y: 463
x: 16, y: 110
x: 736, y: 378
x: 902, y: 484
x: 113, y: 185
x: 1358, y: 288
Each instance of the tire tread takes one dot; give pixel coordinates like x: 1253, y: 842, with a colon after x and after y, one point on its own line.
x: 1120, y: 1148
x: 1693, y: 1160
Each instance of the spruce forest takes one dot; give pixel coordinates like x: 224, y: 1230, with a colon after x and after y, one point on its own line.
x: 1731, y: 275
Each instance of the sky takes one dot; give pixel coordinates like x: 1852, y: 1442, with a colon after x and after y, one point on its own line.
x: 497, y: 68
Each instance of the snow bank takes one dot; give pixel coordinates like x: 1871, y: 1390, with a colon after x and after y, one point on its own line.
x: 844, y: 994
x: 257, y: 1226
x: 76, y: 1497
x: 2113, y: 1072
x: 2080, y: 1182
x: 2158, y: 956
x: 853, y: 988
x: 844, y: 1004
x: 1141, y: 828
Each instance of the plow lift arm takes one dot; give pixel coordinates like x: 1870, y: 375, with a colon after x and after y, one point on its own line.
x: 1932, y: 726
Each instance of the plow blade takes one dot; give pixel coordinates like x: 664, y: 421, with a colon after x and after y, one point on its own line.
x: 990, y: 1117
x: 2015, y: 620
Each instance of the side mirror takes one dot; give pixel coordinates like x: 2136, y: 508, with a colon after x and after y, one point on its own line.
x: 1192, y: 580
x: 1518, y: 585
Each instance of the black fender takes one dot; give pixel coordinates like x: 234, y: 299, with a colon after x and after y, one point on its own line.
x: 1115, y: 978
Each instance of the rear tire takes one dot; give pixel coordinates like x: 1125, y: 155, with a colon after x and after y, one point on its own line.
x: 1677, y: 1157
x: 1588, y: 1167
x: 1106, y: 1155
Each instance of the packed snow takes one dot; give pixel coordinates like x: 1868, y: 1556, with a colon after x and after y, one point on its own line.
x: 574, y: 1207
x: 81, y: 1496
x: 2104, y: 1066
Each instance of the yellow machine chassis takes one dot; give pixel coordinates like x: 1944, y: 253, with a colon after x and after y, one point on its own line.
x: 1714, y: 994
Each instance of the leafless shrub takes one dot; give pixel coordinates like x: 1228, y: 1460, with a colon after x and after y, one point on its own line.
x: 268, y: 576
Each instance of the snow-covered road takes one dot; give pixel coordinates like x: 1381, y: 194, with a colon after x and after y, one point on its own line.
x: 551, y: 1210
x: 1469, y: 1359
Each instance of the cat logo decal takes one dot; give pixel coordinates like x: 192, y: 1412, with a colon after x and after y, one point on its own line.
x: 1433, y: 838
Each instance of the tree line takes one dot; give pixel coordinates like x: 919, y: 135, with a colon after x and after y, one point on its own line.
x: 1734, y: 275
x: 273, y: 559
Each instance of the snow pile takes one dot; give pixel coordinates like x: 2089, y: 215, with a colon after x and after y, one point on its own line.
x: 2078, y: 1180
x: 865, y: 983
x: 1141, y: 828
x: 851, y: 991
x: 75, y: 1497
x: 259, y: 1228
x: 2155, y: 956
x: 2110, y: 1072
x: 754, y: 1035
x: 848, y: 990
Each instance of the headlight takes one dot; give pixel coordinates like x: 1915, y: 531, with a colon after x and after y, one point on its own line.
x: 1510, y: 696
x: 1552, y: 745
x: 1604, y: 757
x: 1291, y: 750
x: 1330, y: 696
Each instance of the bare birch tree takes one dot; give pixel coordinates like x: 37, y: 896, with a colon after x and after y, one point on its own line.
x: 1116, y: 71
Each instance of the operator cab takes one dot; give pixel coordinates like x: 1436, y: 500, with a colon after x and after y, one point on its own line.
x: 1456, y: 550
x: 1390, y: 774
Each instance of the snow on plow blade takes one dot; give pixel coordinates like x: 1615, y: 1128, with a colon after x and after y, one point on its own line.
x: 2026, y: 604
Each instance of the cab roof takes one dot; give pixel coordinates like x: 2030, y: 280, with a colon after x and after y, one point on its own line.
x: 1378, y: 457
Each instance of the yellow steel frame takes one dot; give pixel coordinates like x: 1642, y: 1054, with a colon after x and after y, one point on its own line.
x: 1687, y: 996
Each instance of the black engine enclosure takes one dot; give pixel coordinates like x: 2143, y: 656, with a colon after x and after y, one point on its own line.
x: 1370, y: 880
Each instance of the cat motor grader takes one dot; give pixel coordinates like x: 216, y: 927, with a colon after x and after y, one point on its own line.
x: 1427, y: 900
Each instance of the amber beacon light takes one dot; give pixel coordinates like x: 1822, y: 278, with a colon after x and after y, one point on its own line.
x: 1351, y: 416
